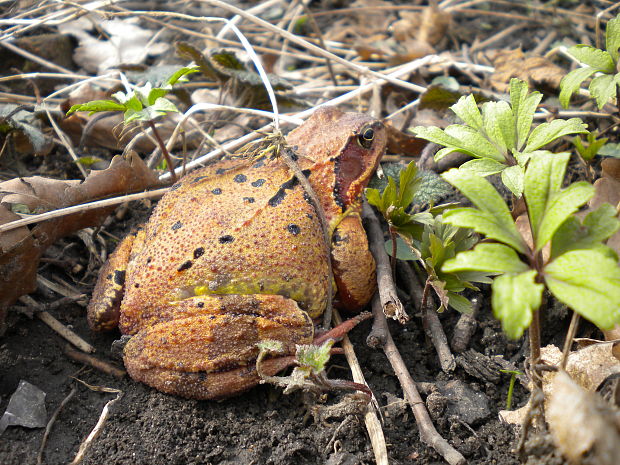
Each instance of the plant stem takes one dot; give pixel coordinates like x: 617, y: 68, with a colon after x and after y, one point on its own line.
x: 164, y: 151
x: 570, y: 335
x: 394, y: 251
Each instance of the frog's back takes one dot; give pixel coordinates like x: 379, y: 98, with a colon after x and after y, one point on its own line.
x: 239, y: 226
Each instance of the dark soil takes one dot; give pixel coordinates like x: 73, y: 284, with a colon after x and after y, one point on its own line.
x: 261, y: 426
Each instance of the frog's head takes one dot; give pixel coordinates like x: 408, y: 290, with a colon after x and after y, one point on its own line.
x: 341, y: 150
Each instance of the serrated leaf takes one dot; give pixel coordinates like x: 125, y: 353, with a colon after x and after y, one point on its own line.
x: 523, y: 109
x: 514, y: 299
x: 571, y: 83
x: 472, y: 142
x: 597, y: 226
x: 512, y: 177
x: 589, y: 283
x: 432, y: 188
x: 548, y: 206
x: 467, y: 109
x: 374, y: 198
x: 595, y: 58
x: 163, y: 105
x: 490, y: 258
x: 96, y: 106
x: 313, y: 356
x: 603, y: 88
x: 499, y: 125
x: 493, y: 217
x: 612, y: 38
x: 482, y: 167
x: 548, y: 132
x: 408, y: 183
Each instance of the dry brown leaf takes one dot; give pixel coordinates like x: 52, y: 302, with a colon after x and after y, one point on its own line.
x: 403, y: 143
x: 535, y: 70
x: 588, y: 367
x: 21, y: 249
x: 580, y: 422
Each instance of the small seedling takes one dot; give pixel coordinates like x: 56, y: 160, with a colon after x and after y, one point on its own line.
x: 145, y: 104
x: 513, y: 377
x: 500, y: 138
x: 602, y: 63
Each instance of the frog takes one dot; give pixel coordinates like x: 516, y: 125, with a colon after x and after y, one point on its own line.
x: 235, y: 254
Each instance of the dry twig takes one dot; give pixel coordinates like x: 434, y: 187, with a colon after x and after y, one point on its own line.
x: 94, y: 362
x: 50, y: 423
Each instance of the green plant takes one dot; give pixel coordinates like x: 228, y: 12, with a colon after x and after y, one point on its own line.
x: 513, y: 377
x: 142, y: 103
x: 603, y: 63
x: 423, y: 236
x: 500, y: 138
x: 592, y: 145
x: 577, y: 268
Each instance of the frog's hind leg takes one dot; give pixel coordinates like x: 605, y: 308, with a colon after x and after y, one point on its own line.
x: 208, y: 346
x: 104, y: 306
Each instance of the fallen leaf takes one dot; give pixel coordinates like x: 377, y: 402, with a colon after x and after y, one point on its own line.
x: 403, y: 143
x: 535, y: 70
x: 581, y: 422
x: 21, y: 248
x: 607, y: 190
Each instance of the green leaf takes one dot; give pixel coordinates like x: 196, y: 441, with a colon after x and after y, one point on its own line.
x: 523, y: 109
x: 499, y: 125
x: 408, y: 183
x: 156, y: 93
x: 610, y: 150
x: 473, y: 143
x: 467, y: 109
x: 491, y: 258
x: 514, y: 299
x: 589, y: 283
x: 512, y: 177
x: 548, y: 207
x: 612, y: 38
x: 603, y: 88
x: 460, y: 303
x: 482, y: 166
x: 548, y: 132
x: 595, y: 58
x: 313, y: 356
x: 374, y: 198
x: 493, y: 217
x: 571, y: 83
x: 181, y: 74
x: 403, y: 251
x: 597, y: 226
x: 97, y: 106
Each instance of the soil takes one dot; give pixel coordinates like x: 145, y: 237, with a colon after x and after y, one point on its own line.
x: 262, y: 426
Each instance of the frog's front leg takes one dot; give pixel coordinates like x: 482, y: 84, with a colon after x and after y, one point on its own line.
x: 104, y: 306
x: 353, y: 264
x: 208, y: 346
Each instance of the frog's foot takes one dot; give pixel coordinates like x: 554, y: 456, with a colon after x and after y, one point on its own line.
x: 104, y: 306
x: 208, y: 350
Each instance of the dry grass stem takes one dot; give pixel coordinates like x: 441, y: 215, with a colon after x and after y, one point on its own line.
x: 371, y: 418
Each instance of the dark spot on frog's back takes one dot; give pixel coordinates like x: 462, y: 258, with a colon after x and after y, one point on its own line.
x: 288, y: 185
x: 293, y: 229
x: 176, y: 186
x: 177, y: 225
x: 119, y: 277
x: 258, y: 182
x: 199, y: 252
x: 226, y: 239
x: 259, y: 163
x: 248, y: 199
x: 185, y: 266
x: 240, y: 178
x: 216, y: 191
x: 198, y: 178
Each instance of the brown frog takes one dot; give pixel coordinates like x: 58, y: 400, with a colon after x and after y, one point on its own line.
x: 234, y: 254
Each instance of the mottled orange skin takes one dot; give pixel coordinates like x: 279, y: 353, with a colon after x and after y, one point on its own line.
x: 234, y: 254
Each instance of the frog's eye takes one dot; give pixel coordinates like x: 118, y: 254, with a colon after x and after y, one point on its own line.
x: 366, y: 137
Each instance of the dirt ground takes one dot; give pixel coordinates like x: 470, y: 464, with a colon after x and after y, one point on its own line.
x: 262, y: 426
